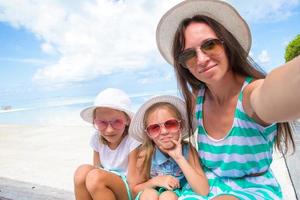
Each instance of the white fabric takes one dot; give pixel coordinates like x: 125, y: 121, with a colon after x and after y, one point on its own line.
x: 114, y: 159
x: 109, y: 98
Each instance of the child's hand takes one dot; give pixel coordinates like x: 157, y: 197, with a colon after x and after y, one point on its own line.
x: 167, y: 181
x: 176, y: 152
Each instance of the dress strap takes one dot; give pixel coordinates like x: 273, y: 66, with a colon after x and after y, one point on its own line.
x: 247, y: 81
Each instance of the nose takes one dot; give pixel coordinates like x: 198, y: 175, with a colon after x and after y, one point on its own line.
x: 201, y: 58
x: 109, y: 128
x: 163, y: 129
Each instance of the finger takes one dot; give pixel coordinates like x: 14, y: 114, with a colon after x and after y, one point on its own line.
x: 180, y: 138
x: 168, y: 187
x: 174, y: 142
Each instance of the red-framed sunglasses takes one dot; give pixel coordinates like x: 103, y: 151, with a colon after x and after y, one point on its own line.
x: 172, y: 125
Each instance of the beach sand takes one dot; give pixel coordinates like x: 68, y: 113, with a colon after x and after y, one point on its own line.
x: 43, y: 155
x: 38, y: 162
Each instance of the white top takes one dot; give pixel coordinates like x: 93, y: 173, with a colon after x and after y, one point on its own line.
x: 114, y: 159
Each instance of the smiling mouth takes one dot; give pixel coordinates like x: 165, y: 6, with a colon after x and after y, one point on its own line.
x: 206, y: 69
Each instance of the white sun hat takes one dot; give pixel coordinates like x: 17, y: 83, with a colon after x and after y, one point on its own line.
x: 109, y: 98
x: 218, y: 10
x: 137, y: 129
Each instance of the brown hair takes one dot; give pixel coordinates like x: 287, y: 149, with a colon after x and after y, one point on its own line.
x: 238, y: 60
x: 102, y: 139
x: 147, y: 148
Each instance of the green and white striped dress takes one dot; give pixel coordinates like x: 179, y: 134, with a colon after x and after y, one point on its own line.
x: 229, y: 162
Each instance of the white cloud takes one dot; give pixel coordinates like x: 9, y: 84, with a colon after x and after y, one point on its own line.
x: 266, y: 10
x: 96, y: 37
x: 264, y: 57
x: 92, y: 37
x: 48, y: 48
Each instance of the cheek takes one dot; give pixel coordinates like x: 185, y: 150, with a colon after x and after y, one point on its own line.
x: 176, y: 135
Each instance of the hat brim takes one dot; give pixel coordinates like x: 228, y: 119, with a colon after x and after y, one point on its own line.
x: 87, y: 113
x: 137, y: 129
x: 220, y: 11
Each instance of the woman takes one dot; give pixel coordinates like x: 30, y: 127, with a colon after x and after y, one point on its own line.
x: 241, y: 113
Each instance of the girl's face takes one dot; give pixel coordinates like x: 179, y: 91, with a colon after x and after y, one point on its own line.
x: 210, y: 63
x: 168, y: 131
x: 111, y: 125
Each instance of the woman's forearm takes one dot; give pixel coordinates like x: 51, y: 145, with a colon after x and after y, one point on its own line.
x: 277, y: 99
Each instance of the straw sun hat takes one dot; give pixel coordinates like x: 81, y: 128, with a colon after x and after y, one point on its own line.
x: 137, y: 129
x: 109, y: 98
x: 218, y: 10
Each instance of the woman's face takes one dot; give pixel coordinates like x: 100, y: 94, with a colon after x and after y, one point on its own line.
x: 111, y: 125
x: 206, y: 67
x: 168, y: 132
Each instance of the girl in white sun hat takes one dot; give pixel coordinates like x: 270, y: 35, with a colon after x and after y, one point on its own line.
x: 166, y: 164
x: 114, y: 149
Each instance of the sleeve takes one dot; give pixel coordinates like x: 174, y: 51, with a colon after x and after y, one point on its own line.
x: 94, y: 142
x: 132, y: 144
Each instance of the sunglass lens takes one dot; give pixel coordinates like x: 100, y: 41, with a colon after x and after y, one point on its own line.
x: 172, y: 125
x: 117, y: 124
x: 188, y: 58
x: 212, y: 47
x: 101, y: 124
x: 153, y: 130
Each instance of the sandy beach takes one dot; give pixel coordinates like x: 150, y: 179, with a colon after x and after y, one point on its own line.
x: 40, y: 160
x: 43, y: 155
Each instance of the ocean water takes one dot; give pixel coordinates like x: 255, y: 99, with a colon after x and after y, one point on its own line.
x: 54, y: 111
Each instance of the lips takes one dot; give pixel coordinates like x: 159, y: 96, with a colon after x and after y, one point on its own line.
x: 206, y: 68
x: 109, y: 136
x: 166, y: 139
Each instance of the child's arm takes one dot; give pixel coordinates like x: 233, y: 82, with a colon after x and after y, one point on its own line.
x: 191, y: 168
x: 96, y: 159
x: 196, y: 177
x: 132, y: 175
x: 142, y: 180
x: 166, y: 181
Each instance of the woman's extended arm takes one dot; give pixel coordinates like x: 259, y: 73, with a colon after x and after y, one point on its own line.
x: 277, y: 97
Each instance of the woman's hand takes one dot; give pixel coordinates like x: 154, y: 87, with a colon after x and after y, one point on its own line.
x: 167, y: 181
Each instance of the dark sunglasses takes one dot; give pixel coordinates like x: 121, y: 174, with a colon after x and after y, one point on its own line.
x: 101, y: 125
x: 172, y: 125
x: 211, y: 47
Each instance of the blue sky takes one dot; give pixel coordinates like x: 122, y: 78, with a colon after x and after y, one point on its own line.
x: 74, y: 49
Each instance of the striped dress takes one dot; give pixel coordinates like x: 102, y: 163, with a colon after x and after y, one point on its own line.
x: 245, y: 150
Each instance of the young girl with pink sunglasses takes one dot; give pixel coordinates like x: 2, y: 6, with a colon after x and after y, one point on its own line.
x: 166, y: 165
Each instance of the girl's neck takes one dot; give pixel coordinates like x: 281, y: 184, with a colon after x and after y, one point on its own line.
x: 115, y: 145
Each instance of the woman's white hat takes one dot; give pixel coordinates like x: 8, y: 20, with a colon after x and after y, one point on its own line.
x: 109, y: 98
x: 137, y: 129
x: 218, y: 10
